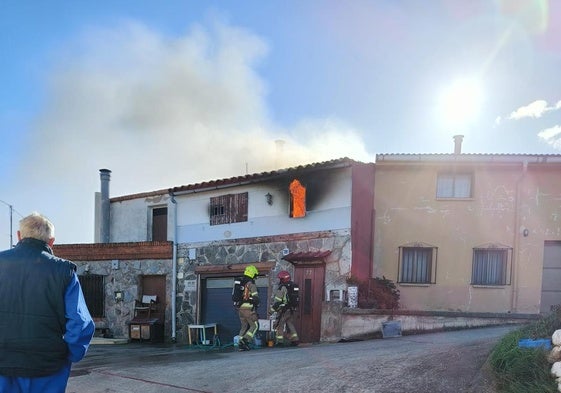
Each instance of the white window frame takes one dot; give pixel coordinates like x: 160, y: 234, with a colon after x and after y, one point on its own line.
x: 454, y: 185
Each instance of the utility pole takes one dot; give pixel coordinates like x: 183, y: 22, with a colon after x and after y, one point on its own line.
x: 11, y: 221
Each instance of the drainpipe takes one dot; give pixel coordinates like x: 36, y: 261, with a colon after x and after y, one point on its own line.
x: 174, y: 270
x: 516, y: 243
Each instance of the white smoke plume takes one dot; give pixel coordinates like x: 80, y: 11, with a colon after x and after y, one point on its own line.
x: 159, y: 112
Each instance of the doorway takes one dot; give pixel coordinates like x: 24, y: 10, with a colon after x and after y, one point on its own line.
x: 217, y: 307
x: 310, y: 279
x: 155, y: 285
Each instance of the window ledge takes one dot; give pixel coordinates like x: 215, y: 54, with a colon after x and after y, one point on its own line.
x: 489, y: 286
x: 454, y: 199
x: 412, y: 284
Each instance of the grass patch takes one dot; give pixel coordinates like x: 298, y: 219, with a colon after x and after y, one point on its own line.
x: 525, y: 370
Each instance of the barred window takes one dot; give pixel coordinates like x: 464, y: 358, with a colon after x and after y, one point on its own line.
x: 491, y: 266
x: 454, y: 185
x: 417, y: 264
x: 227, y: 209
x: 93, y: 289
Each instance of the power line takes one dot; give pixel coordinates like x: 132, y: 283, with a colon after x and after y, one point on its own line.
x: 12, y: 206
x: 11, y: 221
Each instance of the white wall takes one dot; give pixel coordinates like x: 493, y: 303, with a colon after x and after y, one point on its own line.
x: 331, y: 210
x: 130, y: 219
x: 266, y: 226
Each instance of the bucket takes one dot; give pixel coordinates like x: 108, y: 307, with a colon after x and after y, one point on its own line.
x: 544, y: 343
x: 258, y: 341
x: 236, y: 340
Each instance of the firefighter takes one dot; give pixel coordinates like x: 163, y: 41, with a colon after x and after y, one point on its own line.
x: 249, y: 319
x: 285, y: 302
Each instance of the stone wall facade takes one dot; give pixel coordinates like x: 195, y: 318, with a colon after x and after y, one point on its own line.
x: 126, y: 279
x: 254, y: 250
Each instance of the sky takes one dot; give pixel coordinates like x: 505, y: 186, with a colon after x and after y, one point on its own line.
x: 177, y: 92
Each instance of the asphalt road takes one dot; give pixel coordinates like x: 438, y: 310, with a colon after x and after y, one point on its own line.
x: 435, y: 362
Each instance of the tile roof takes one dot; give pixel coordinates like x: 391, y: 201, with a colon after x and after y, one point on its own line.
x: 475, y: 157
x: 246, y: 179
x: 306, y: 256
x: 261, y: 176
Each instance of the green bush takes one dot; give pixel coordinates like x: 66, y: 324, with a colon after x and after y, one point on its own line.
x: 544, y: 327
x: 378, y: 292
x: 525, y: 370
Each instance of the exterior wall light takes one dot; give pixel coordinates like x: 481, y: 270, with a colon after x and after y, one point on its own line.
x: 269, y: 198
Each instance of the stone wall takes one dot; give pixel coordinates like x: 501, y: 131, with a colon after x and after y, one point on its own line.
x: 127, y: 280
x: 266, y: 249
x: 127, y: 277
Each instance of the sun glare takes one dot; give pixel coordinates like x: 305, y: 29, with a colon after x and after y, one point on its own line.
x: 460, y: 103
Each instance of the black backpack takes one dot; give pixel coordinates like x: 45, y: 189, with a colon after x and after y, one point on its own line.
x: 240, y: 291
x: 293, y: 294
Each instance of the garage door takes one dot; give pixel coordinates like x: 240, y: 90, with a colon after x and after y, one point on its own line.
x: 217, y: 305
x: 551, y: 277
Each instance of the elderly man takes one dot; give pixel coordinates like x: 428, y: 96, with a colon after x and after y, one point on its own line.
x: 44, y: 322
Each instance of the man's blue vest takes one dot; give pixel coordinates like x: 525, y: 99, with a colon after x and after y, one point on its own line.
x: 32, y: 313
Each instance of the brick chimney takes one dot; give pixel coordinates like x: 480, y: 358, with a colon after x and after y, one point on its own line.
x: 458, y: 144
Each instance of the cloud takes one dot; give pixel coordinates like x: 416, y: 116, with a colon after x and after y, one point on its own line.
x: 552, y: 136
x: 535, y: 110
x: 160, y: 112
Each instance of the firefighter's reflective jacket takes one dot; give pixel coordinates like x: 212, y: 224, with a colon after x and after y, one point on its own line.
x: 286, y: 296
x: 280, y: 299
x: 251, y: 295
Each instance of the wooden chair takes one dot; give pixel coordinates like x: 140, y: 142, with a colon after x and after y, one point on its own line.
x: 144, y: 308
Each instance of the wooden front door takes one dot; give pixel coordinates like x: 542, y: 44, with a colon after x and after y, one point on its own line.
x: 310, y: 279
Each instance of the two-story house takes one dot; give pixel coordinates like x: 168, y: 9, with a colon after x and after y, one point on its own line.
x: 316, y: 221
x: 471, y: 233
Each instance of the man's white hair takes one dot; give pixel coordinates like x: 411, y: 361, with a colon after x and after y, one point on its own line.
x: 36, y: 226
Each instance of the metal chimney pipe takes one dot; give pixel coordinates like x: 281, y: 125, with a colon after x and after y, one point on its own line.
x: 105, y: 176
x: 279, y: 153
x: 458, y: 144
